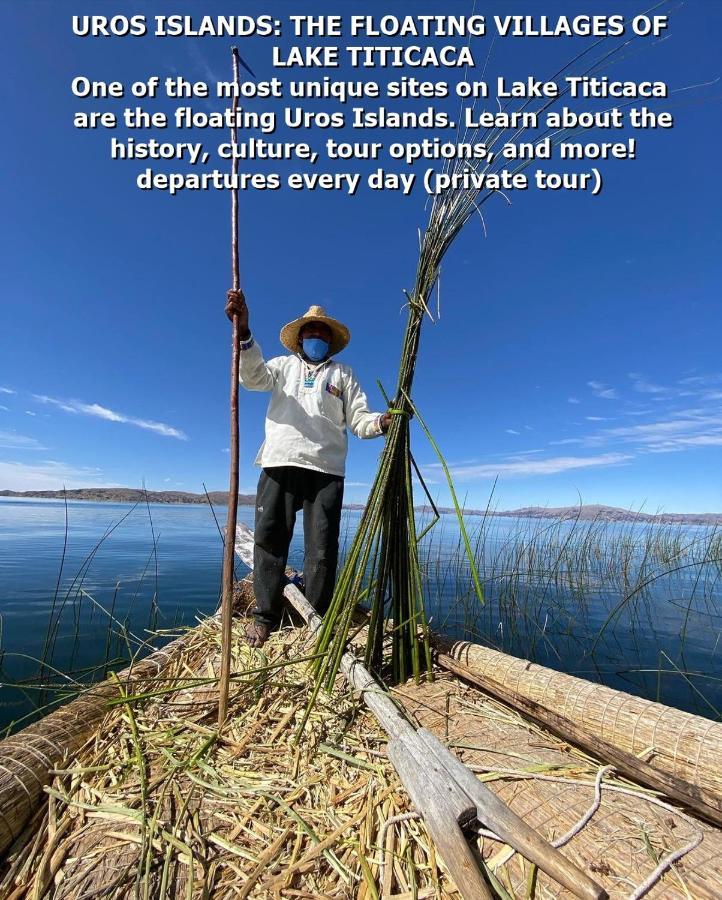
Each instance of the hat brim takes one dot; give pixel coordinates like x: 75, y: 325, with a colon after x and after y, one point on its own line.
x: 291, y: 334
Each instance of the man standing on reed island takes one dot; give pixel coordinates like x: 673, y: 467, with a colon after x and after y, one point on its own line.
x: 303, y: 458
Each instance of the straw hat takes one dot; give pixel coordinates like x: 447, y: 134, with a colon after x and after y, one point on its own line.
x: 290, y: 334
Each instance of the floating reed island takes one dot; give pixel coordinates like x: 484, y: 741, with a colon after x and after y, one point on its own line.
x: 130, y: 790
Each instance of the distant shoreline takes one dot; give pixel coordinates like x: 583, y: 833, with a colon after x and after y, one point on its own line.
x: 220, y: 498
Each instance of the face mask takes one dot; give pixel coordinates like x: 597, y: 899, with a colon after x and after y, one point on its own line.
x: 315, y: 349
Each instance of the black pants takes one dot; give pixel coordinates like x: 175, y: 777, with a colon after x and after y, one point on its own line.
x: 282, y: 492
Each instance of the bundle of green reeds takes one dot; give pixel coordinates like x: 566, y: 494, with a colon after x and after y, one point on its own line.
x: 382, y: 566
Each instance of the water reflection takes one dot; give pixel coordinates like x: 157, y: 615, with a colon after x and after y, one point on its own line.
x: 635, y: 606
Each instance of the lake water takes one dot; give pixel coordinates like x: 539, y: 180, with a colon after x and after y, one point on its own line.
x: 653, y: 592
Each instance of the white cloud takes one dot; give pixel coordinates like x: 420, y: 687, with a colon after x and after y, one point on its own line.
x: 102, y: 412
x: 10, y: 440
x: 666, y: 428
x: 603, y: 391
x: 529, y: 467
x: 659, y: 392
x: 4, y: 390
x: 683, y: 428
x: 511, y: 431
x: 681, y: 443
x: 6, y: 408
x: 29, y: 412
x: 573, y: 400
x: 49, y: 475
x: 647, y: 387
x: 702, y: 380
x: 643, y: 386
x: 428, y: 481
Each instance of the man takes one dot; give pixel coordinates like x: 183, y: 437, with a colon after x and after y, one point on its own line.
x: 313, y: 400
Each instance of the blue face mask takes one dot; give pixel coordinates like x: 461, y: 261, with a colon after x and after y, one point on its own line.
x: 315, y: 348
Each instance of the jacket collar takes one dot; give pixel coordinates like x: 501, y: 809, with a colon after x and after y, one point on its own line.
x: 315, y: 366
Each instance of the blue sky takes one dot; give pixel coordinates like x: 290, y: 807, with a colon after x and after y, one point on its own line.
x: 578, y: 350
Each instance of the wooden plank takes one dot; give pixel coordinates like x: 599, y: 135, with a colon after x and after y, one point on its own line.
x: 500, y: 819
x: 445, y: 831
x: 438, y: 778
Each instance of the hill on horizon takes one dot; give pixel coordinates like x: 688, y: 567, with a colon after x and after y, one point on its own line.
x: 587, y: 512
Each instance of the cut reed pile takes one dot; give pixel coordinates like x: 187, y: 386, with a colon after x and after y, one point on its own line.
x: 155, y: 805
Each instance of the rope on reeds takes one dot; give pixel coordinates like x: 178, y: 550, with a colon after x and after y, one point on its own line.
x: 654, y: 877
x: 575, y: 829
x: 642, y: 889
x: 665, y: 864
x: 560, y: 779
x: 394, y: 820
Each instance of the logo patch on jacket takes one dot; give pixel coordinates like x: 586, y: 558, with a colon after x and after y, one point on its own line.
x: 332, y: 389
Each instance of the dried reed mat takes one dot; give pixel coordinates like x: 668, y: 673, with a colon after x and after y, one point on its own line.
x: 626, y: 837
x: 154, y: 805
x: 686, y: 746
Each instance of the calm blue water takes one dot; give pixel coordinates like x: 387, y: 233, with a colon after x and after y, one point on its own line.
x: 110, y: 565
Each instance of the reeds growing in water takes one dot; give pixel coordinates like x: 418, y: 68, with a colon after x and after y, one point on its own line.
x: 634, y: 605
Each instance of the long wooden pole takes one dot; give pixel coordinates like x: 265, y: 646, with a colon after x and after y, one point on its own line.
x: 229, y: 550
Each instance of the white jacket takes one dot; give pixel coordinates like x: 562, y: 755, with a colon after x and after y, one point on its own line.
x: 309, y: 410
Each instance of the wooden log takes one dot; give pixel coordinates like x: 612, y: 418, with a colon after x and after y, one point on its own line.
x: 441, y: 781
x: 684, y: 746
x: 445, y: 831
x: 500, y: 819
x: 701, y: 802
x: 438, y: 777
